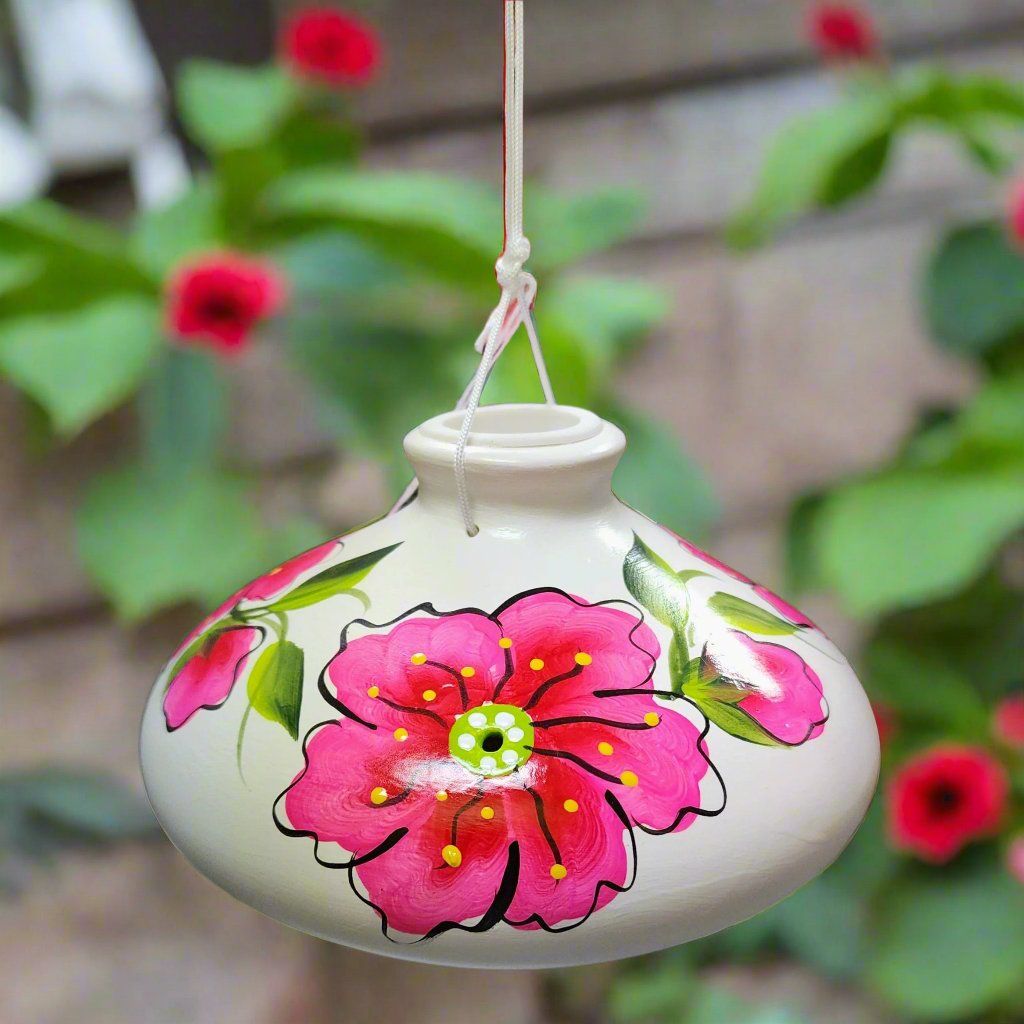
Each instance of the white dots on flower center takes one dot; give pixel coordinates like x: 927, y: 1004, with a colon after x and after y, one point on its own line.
x: 488, y: 763
x: 478, y: 719
x: 515, y: 734
x: 509, y: 757
x: 504, y: 720
x: 466, y: 741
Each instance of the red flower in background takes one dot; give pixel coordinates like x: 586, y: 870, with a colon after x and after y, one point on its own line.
x: 842, y: 31
x: 1008, y: 721
x: 1015, y: 211
x: 219, y: 299
x: 885, y: 721
x: 327, y: 46
x: 943, y: 799
x: 1015, y: 858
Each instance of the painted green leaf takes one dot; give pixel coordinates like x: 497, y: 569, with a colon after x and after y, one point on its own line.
x: 749, y: 617
x: 275, y: 685
x: 336, y: 580
x: 655, y: 586
x: 735, y: 721
x: 950, y: 944
x: 79, y: 365
x: 225, y: 106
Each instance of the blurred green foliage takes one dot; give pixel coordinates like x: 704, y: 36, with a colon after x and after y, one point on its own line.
x: 390, y: 279
x: 926, y: 548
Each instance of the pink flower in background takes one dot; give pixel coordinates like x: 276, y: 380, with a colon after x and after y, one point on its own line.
x: 842, y: 31
x: 494, y: 767
x: 328, y: 46
x: 1015, y: 211
x: 219, y: 300
x: 1015, y: 857
x: 785, y: 695
x: 945, y: 798
x: 1008, y: 721
x: 885, y: 721
x: 206, y: 679
x: 278, y: 580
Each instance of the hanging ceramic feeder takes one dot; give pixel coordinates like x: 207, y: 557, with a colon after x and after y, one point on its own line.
x: 515, y: 723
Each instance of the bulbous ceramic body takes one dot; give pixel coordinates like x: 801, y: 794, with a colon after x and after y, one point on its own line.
x: 570, y: 738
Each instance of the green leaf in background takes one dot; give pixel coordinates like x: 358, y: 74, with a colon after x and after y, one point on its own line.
x: 906, y: 538
x: 187, y: 227
x: 224, y: 106
x: 949, y: 944
x: 802, y: 569
x: 82, y: 805
x: 275, y: 685
x: 749, y: 617
x: 151, y: 543
x: 70, y: 261
x: 655, y: 586
x: 924, y: 687
x: 183, y: 412
x: 825, y: 924
x: 443, y: 227
x: 18, y: 270
x: 824, y: 158
x: 337, y: 580
x: 329, y: 264
x: 79, y: 365
x: 974, y: 290
x: 658, y: 478
x: 565, y: 230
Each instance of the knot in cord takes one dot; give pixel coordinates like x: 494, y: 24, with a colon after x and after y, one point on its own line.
x: 509, y: 268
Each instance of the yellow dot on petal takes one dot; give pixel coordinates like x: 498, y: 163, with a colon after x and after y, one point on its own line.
x: 605, y: 748
x: 629, y: 779
x: 583, y: 659
x: 429, y: 695
x: 379, y: 795
x: 373, y: 692
x: 401, y: 735
x: 571, y: 806
x: 487, y: 813
x: 559, y: 871
x: 441, y: 795
x: 536, y: 664
x: 452, y: 856
x: 505, y: 643
x: 418, y: 659
x: 652, y: 719
x: 274, y: 572
x: 468, y: 673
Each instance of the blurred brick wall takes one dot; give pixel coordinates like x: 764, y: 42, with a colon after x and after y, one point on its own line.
x: 779, y: 371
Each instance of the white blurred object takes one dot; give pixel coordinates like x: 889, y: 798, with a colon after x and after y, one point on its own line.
x: 159, y: 172
x: 97, y: 93
x: 24, y: 169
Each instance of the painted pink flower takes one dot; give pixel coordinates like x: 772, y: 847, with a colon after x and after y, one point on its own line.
x: 783, y: 695
x: 494, y: 767
x: 278, y: 580
x: 783, y: 607
x: 207, y: 677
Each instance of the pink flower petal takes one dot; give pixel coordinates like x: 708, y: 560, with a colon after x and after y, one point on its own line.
x: 278, y: 580
x: 207, y: 678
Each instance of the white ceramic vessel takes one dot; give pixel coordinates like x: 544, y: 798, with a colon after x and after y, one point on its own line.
x: 573, y: 737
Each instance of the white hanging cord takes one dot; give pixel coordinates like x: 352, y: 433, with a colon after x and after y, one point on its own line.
x: 518, y: 287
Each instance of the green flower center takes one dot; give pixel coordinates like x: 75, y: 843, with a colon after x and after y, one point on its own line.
x: 492, y: 740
